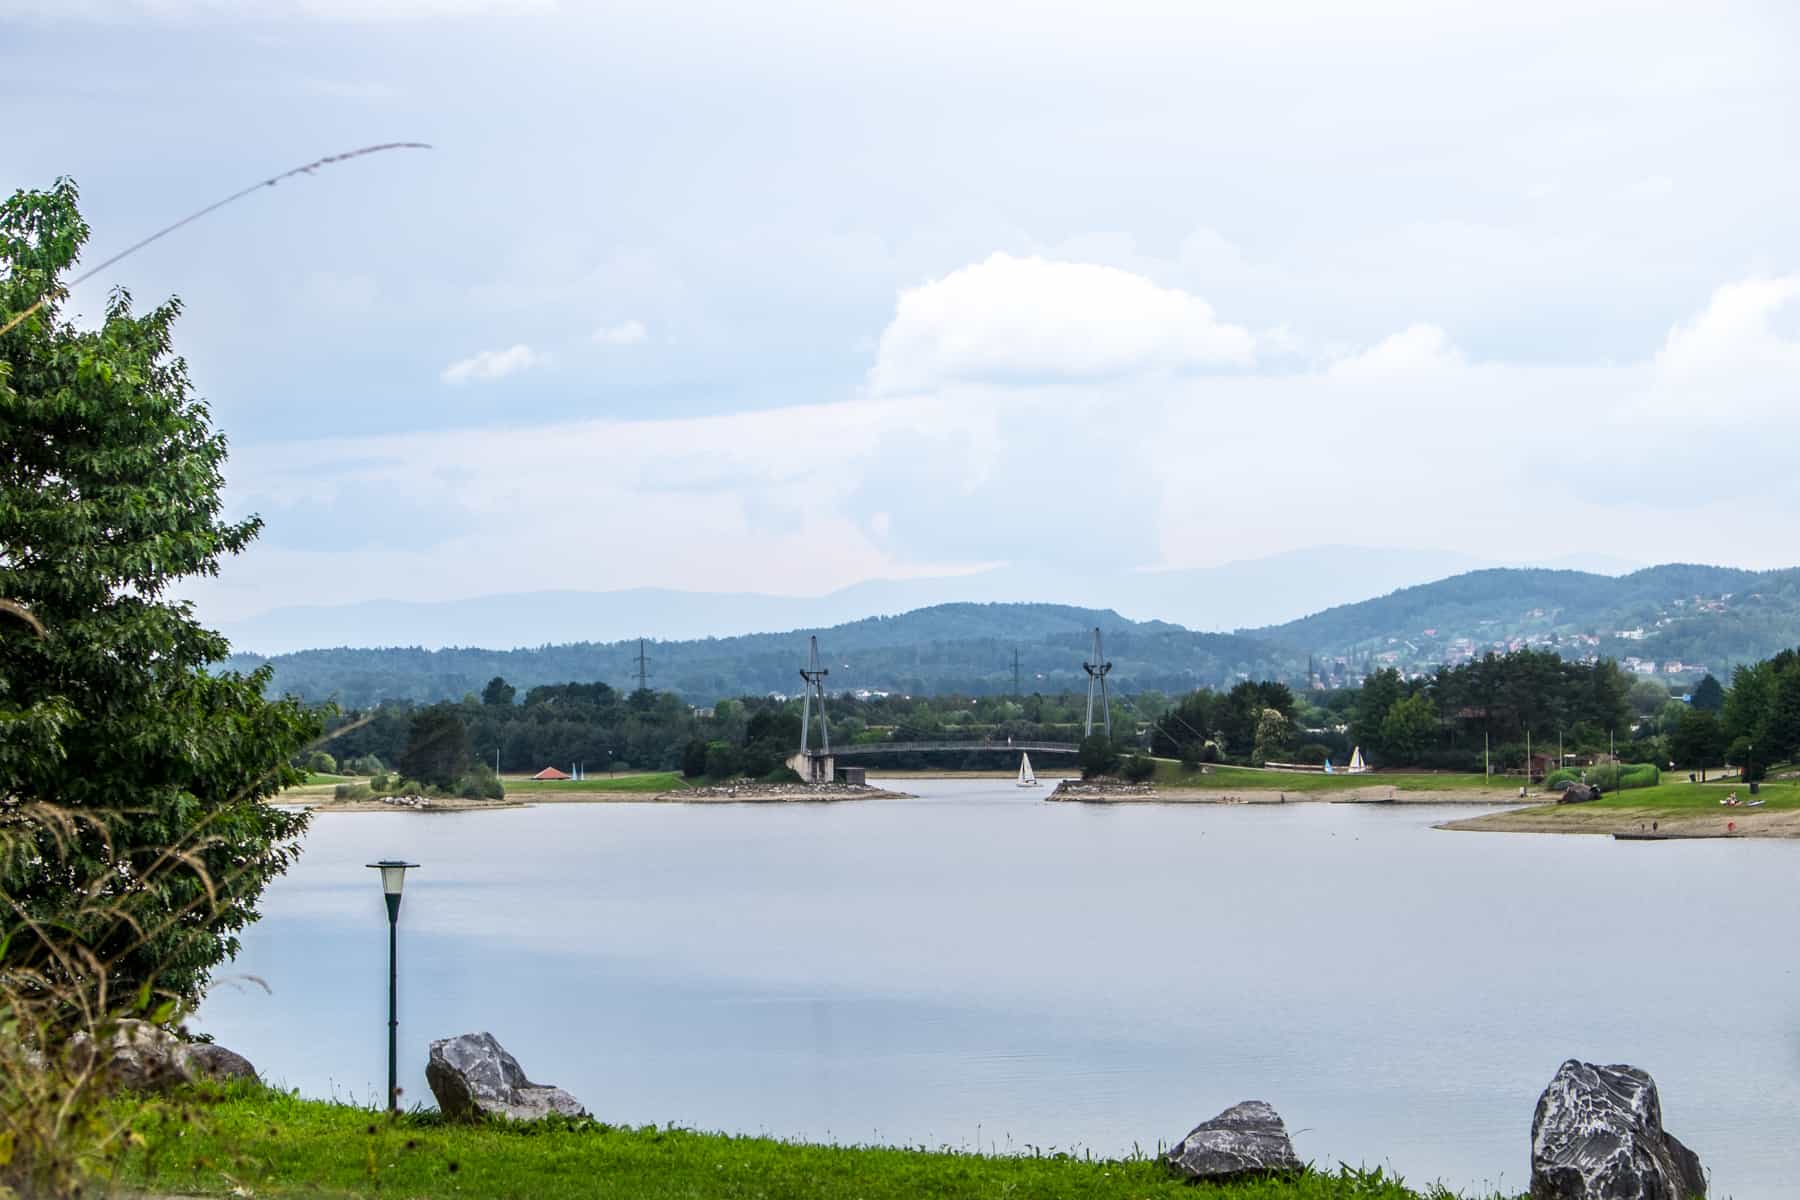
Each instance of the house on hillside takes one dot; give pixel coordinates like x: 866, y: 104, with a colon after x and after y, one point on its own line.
x: 552, y: 773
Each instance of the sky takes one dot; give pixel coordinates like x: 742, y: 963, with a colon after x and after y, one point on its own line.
x: 784, y: 296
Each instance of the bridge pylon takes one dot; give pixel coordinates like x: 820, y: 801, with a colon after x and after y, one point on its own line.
x: 1097, y: 671
x: 819, y: 766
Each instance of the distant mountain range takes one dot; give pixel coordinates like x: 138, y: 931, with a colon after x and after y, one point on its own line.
x: 1237, y: 595
x: 967, y: 648
x: 1672, y: 622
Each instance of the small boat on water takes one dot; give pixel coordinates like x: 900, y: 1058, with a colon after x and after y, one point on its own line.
x: 1027, y: 778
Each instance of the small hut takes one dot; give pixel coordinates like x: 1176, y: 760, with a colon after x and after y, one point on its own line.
x: 552, y: 773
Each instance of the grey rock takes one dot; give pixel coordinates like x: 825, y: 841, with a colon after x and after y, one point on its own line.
x: 473, y: 1076
x: 139, y: 1057
x: 1578, y: 793
x: 216, y: 1062
x: 1246, y: 1139
x: 1597, y: 1135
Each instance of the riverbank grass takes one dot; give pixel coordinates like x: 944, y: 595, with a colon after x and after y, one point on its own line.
x: 248, y: 1141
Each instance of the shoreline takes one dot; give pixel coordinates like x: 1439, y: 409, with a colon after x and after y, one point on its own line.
x: 743, y: 793
x: 1664, y: 824
x: 1107, y: 793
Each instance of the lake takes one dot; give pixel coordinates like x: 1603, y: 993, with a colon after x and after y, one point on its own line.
x: 976, y: 967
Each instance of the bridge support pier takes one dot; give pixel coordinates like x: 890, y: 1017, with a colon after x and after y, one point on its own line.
x: 813, y: 767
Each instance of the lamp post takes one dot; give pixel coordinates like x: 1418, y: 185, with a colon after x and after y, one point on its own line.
x: 393, y: 878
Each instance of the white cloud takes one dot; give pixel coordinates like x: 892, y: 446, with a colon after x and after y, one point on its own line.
x: 626, y: 333
x: 1216, y: 467
x: 1733, y: 332
x: 493, y: 364
x: 1416, y: 350
x: 1025, y: 320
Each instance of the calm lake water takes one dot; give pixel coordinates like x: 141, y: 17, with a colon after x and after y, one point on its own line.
x: 978, y: 968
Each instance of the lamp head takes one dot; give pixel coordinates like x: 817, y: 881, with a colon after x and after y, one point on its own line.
x: 393, y: 875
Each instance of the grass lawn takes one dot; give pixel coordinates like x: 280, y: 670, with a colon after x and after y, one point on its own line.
x: 648, y: 781
x: 317, y: 779
x: 1170, y: 773
x: 1699, y: 797
x: 270, y: 1144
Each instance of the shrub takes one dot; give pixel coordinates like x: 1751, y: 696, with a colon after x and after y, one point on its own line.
x: 1097, y: 755
x: 481, y: 784
x: 1137, y: 768
x: 381, y: 782
x: 693, y: 758
x: 321, y: 763
x: 783, y: 774
x: 351, y: 791
x: 363, y: 764
x: 721, y: 760
x: 1557, y: 779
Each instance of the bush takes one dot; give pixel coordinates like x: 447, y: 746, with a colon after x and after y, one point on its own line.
x: 351, y: 791
x: 693, y: 758
x: 1556, y: 780
x: 321, y: 763
x: 364, y: 764
x: 721, y: 760
x: 1630, y: 775
x: 481, y: 784
x: 381, y: 782
x: 1097, y: 755
x: 783, y: 774
x: 1137, y: 768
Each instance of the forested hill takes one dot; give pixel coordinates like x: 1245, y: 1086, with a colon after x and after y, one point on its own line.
x: 1699, y: 616
x: 966, y: 648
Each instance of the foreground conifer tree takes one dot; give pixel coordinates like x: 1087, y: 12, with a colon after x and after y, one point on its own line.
x: 134, y: 834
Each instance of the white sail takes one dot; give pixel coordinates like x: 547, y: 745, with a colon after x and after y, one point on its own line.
x: 1357, y: 765
x: 1026, y: 777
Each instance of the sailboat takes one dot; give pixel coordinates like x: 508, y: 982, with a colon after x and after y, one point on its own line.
x: 1357, y: 765
x: 1026, y: 777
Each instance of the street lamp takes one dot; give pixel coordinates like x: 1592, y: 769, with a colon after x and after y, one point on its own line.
x: 393, y: 878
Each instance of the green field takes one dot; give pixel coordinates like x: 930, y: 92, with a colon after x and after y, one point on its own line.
x: 1688, y: 797
x: 316, y: 779
x: 1170, y: 773
x: 270, y: 1144
x: 648, y: 781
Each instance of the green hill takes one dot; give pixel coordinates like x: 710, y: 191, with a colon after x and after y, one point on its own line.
x: 966, y: 648
x: 1700, y: 616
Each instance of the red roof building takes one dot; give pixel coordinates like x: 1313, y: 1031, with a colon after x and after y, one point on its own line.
x: 552, y: 773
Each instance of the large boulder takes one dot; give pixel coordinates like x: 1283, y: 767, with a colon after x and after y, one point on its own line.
x: 1598, y: 1135
x: 135, y: 1055
x: 214, y: 1061
x: 473, y: 1076
x: 1246, y: 1139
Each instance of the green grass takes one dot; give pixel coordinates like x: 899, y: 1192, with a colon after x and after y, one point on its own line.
x: 273, y: 1145
x: 648, y: 781
x: 1170, y: 773
x: 316, y: 779
x: 1699, y: 797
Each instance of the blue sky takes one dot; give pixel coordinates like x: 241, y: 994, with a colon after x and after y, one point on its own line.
x: 784, y: 296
